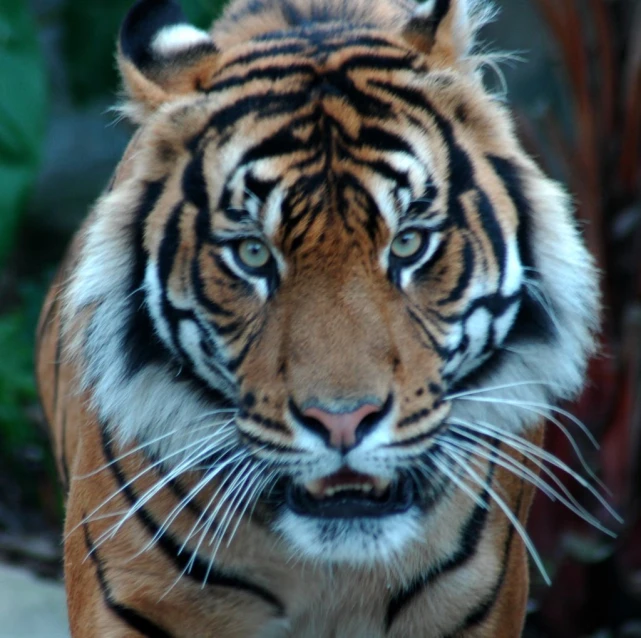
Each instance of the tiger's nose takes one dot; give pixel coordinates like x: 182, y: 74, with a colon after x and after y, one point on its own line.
x: 344, y: 430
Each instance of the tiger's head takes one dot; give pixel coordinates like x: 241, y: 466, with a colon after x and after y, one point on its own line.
x: 324, y: 240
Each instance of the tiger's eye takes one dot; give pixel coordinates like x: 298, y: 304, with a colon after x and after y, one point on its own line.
x: 253, y: 253
x: 407, y: 244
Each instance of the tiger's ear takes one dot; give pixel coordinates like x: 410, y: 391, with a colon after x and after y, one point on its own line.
x: 161, y: 56
x: 444, y: 30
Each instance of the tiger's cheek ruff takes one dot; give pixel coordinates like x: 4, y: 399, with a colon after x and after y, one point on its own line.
x: 140, y: 393
x: 545, y: 354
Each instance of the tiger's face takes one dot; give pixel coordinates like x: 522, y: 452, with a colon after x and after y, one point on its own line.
x: 330, y: 253
x: 332, y: 243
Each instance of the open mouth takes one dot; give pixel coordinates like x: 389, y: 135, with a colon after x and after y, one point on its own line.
x: 348, y: 494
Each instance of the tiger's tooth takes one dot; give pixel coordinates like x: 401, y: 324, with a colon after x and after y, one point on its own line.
x: 319, y: 489
x: 315, y: 488
x: 380, y: 485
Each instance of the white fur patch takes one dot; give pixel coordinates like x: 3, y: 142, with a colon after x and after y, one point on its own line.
x: 361, y: 541
x: 178, y: 38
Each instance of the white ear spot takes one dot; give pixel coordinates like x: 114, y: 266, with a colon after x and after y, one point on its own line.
x: 425, y: 9
x: 178, y: 38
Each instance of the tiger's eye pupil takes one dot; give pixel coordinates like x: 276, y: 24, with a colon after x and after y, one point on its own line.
x: 407, y: 244
x: 253, y: 253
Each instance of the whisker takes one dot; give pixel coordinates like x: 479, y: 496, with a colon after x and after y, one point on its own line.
x: 563, y: 429
x: 440, y: 464
x: 505, y: 386
x: 236, y: 491
x: 241, y: 496
x: 542, y: 406
x: 194, y: 553
x: 536, y: 290
x: 200, y: 524
x: 222, y: 492
x: 525, y: 473
x: 193, y: 492
x: 260, y: 485
x: 456, y: 457
x: 184, y: 466
x: 527, y: 448
x: 201, y: 442
x: 142, y: 446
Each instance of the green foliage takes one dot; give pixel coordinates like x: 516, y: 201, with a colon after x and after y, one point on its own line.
x: 90, y: 33
x: 203, y: 12
x: 22, y: 113
x: 17, y: 386
x: 89, y: 43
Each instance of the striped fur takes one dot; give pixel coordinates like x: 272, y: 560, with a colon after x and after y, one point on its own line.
x: 177, y: 379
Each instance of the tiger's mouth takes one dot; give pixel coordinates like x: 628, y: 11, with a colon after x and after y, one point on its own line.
x: 348, y: 494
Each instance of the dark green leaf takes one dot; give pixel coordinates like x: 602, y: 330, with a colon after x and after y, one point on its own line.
x: 22, y: 113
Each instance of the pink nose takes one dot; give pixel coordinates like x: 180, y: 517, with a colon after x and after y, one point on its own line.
x: 341, y: 426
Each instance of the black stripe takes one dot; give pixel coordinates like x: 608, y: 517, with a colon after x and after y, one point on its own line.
x: 440, y: 11
x: 493, y: 230
x: 129, y: 616
x: 201, y: 571
x: 377, y: 62
x: 533, y: 321
x: 365, y: 104
x: 419, y: 438
x: 469, y: 538
x: 483, y: 609
x: 272, y: 74
x: 289, y: 48
x: 509, y: 173
x: 282, y: 142
x: 270, y: 424
x: 261, y: 104
x: 236, y: 362
x: 464, y: 277
x: 64, y: 467
x: 265, y: 445
x: 442, y: 352
x: 141, y: 344
x: 194, y: 186
x: 413, y: 418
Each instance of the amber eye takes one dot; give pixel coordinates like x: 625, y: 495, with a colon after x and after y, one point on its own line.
x: 253, y: 254
x: 408, y: 244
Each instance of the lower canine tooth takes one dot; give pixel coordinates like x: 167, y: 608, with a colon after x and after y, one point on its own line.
x: 315, y: 488
x: 380, y: 485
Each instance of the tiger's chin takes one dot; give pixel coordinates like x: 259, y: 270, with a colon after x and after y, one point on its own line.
x: 359, y: 541
x: 350, y: 518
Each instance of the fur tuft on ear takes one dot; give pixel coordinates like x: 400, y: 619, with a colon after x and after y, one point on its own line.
x: 161, y: 56
x: 445, y: 29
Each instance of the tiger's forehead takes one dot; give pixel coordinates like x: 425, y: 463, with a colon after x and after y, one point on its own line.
x: 321, y: 46
x: 331, y: 123
x: 300, y: 126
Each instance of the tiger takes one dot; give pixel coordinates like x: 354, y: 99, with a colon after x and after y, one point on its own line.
x: 298, y: 359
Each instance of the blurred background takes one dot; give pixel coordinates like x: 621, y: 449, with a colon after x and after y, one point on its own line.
x: 577, y: 98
